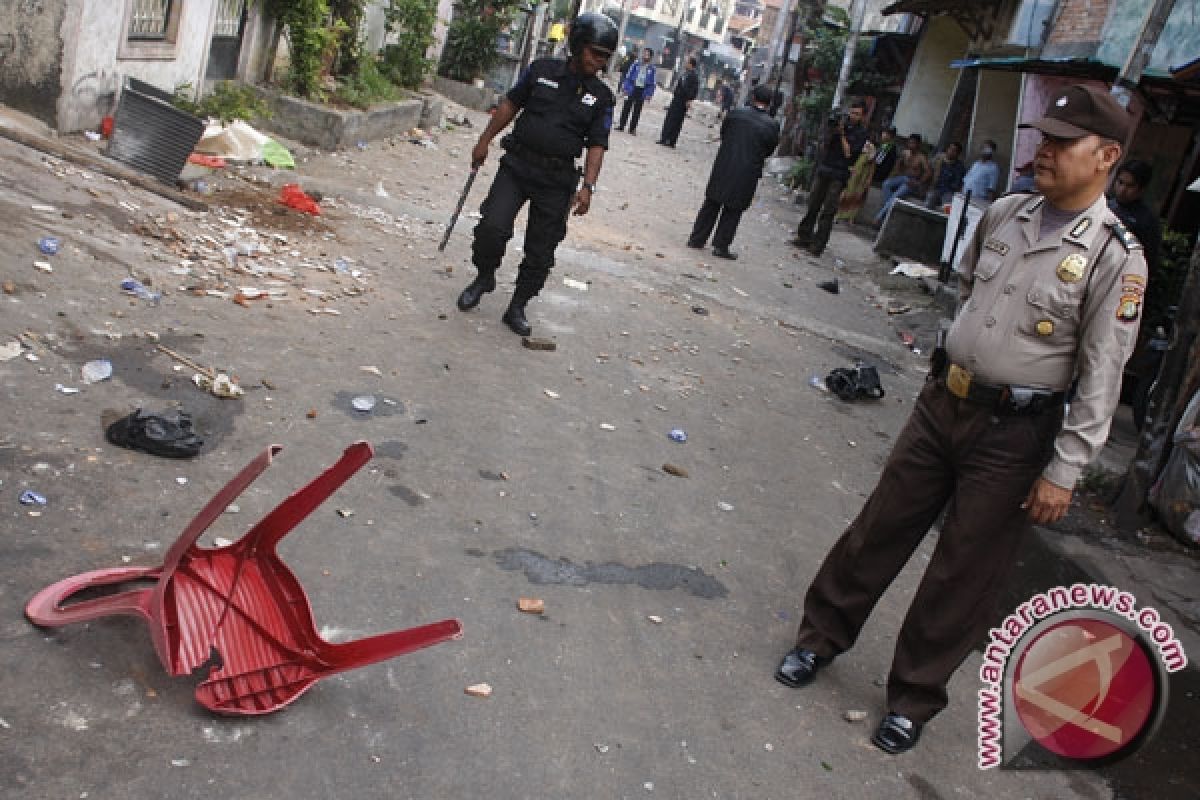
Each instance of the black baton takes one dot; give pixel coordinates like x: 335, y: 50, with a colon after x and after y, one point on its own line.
x: 462, y: 198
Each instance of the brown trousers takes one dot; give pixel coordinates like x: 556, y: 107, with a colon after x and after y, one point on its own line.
x: 951, y: 455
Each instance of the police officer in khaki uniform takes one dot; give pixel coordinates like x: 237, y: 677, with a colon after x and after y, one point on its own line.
x: 1051, y: 292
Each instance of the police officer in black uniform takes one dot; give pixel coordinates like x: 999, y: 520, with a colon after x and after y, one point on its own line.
x: 563, y: 108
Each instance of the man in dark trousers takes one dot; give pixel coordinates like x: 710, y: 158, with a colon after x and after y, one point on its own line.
x: 563, y: 109
x: 685, y: 93
x: 1050, y: 292
x: 748, y: 137
x: 846, y: 139
x: 637, y: 87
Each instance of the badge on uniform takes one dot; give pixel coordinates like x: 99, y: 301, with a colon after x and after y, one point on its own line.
x: 589, y: 99
x: 548, y: 82
x: 1044, y: 327
x: 996, y: 246
x: 1070, y: 269
x: 1133, y: 287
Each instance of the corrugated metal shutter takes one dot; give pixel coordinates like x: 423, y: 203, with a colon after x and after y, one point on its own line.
x: 150, y: 134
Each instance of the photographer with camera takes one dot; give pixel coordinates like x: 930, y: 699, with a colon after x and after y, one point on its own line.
x: 845, y: 142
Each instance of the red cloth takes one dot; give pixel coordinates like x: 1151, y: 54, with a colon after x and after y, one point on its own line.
x: 216, y: 162
x: 293, y: 196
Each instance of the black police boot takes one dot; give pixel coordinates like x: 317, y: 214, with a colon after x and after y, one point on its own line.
x: 514, y: 318
x: 724, y: 252
x: 471, y: 295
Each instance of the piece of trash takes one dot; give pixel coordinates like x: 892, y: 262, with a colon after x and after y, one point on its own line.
x: 830, y: 286
x: 601, y: 748
x: 292, y: 196
x: 701, y: 310
x: 93, y: 136
x: 723, y: 506
x: 43, y: 266
x: 913, y: 270
x: 167, y: 434
x: 648, y: 786
x: 221, y: 541
x: 58, y: 387
x: 180, y: 762
x: 49, y: 245
x: 372, y: 370
x: 898, y: 308
x: 657, y: 620
x: 479, y: 690
x: 739, y: 291
x: 345, y: 513
x: 769, y: 747
x: 531, y: 605
x: 855, y: 716
x: 364, y: 402
x: 10, y: 350
x: 553, y: 395
x: 678, y: 472
x: 677, y: 435
x: 135, y: 287
x: 181, y: 480
x: 606, y: 426
x: 855, y: 383
x: 312, y: 413
x: 42, y: 207
x: 533, y: 343
x: 380, y: 191
x: 816, y: 382
x: 220, y: 386
x: 32, y: 498
x: 906, y: 337
x: 95, y: 371
x: 574, y: 284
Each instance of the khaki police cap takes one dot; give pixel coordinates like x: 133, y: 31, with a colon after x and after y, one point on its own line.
x: 1081, y: 110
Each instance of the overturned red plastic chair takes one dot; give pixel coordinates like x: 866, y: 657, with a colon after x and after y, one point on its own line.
x: 238, y: 609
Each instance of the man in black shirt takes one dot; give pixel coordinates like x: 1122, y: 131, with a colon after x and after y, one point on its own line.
x: 841, y: 151
x: 1126, y: 201
x: 685, y: 93
x: 563, y: 108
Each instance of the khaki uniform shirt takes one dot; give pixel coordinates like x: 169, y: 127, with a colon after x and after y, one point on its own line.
x: 1046, y: 313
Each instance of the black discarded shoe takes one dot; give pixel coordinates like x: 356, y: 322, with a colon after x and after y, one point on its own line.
x: 799, y: 667
x: 695, y: 245
x: 514, y: 318
x: 724, y: 252
x: 471, y: 295
x: 896, y: 734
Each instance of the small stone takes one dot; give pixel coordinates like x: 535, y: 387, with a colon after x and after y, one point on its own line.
x: 479, y: 690
x: 535, y: 343
x: 532, y: 605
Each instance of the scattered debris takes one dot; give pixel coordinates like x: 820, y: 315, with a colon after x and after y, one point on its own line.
x: 701, y: 310
x: 10, y: 350
x: 43, y: 266
x: 49, y: 245
x: 364, y: 402
x: 855, y: 383
x: 830, y: 286
x: 607, y: 426
x: 913, y: 270
x: 898, y: 308
x: 168, y: 433
x: 553, y: 395
x: 32, y: 498
x: 220, y: 386
x: 95, y: 371
x: 678, y: 472
x: 345, y: 513
x: 855, y: 716
x: 574, y: 284
x: 479, y: 690
x: 723, y: 506
x: 534, y: 343
x: 657, y: 620
x: 372, y: 370
x: 678, y: 435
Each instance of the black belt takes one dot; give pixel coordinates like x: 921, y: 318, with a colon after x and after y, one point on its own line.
x: 534, y: 157
x: 1003, y: 400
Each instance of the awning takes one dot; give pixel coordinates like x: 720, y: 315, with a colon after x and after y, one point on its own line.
x: 1065, y: 67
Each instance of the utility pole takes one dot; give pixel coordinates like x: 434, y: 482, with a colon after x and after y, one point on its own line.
x: 858, y: 12
x: 1143, y: 48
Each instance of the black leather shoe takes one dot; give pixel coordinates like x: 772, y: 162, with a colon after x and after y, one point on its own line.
x: 514, y: 318
x: 618, y: 129
x: 471, y: 295
x: 799, y: 667
x: 724, y: 252
x: 800, y: 241
x: 695, y: 245
x: 896, y: 734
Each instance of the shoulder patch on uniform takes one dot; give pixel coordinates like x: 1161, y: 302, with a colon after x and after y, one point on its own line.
x: 548, y: 82
x: 1081, y: 227
x: 1123, y: 234
x: 996, y: 246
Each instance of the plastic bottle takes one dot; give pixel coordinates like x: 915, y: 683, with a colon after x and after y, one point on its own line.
x: 136, y: 288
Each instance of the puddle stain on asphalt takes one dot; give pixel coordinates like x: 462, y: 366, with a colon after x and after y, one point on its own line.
x: 540, y: 569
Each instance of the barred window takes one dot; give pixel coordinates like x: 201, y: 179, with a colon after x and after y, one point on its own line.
x: 149, y: 19
x: 229, y: 17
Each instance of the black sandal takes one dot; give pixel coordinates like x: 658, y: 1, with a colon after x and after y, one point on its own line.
x: 896, y: 734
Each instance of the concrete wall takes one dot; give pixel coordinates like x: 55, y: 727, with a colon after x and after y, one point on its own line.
x: 997, y: 103
x: 31, y: 54
x: 98, y: 55
x: 930, y: 84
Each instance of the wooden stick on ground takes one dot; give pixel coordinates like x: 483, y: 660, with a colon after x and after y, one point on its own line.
x: 187, y: 362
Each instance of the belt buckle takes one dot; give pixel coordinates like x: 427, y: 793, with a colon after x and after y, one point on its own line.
x: 958, y: 381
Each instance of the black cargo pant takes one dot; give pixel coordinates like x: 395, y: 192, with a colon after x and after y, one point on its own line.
x: 822, y: 208
x: 951, y: 455
x: 707, y: 217
x: 549, y: 192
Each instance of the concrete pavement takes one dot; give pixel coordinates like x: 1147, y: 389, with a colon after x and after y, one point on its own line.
x: 500, y: 472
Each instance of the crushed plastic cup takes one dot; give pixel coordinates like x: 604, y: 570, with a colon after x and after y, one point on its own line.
x: 49, y: 245
x: 135, y: 287
x: 95, y: 371
x: 677, y: 435
x: 363, y: 403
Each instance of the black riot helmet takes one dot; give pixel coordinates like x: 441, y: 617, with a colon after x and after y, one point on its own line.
x: 594, y: 29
